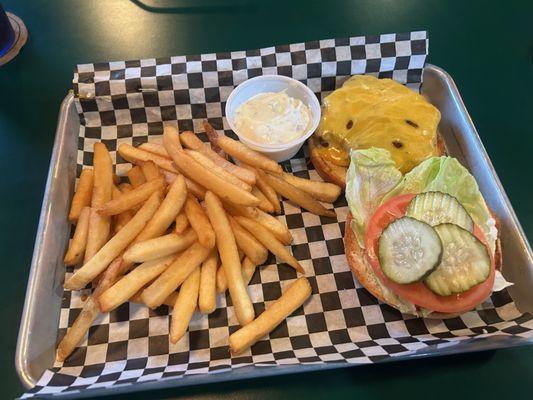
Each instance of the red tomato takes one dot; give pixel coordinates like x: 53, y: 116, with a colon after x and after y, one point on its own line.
x: 418, y: 293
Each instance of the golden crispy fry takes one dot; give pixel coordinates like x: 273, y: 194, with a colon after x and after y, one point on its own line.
x: 237, y: 209
x: 82, y: 196
x: 199, y: 222
x: 322, y: 191
x: 191, y: 141
x: 136, y: 176
x: 150, y: 170
x: 207, y: 301
x: 125, y: 187
x: 114, y: 247
x: 99, y: 225
x: 154, y: 295
x: 222, y: 282
x: 76, y: 248
x: 195, y: 189
x: 268, y: 240
x: 182, y: 223
x: 167, y: 211
x: 129, y: 284
x: 124, y: 217
x: 88, y: 314
x: 204, y: 177
x: 157, y: 247
x: 185, y: 306
x: 229, y: 255
x: 298, y: 196
x: 274, y: 225
x: 131, y: 199
x: 169, y: 301
x: 155, y: 148
x: 254, y: 250
x: 264, y: 204
x: 293, y: 298
x: 212, y: 135
x: 79, y: 328
x: 137, y: 156
x: 248, y: 269
x: 268, y: 190
x: 207, y: 163
x: 246, y: 155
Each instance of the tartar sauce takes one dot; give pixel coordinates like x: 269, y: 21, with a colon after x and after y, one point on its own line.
x: 272, y: 118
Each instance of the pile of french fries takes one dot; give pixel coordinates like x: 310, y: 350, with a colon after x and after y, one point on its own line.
x: 188, y: 224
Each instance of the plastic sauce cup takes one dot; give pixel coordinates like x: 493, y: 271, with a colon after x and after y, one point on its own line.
x: 273, y: 83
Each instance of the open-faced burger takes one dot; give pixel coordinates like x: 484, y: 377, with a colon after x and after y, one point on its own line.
x: 424, y: 242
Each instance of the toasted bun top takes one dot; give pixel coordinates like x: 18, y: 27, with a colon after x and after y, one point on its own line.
x: 337, y: 174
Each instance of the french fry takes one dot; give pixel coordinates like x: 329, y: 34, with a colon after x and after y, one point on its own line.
x: 150, y: 170
x: 125, y: 187
x: 207, y: 301
x: 222, y: 282
x: 157, y: 247
x: 322, y: 191
x: 246, y: 155
x: 82, y: 196
x: 136, y: 176
x: 131, y: 199
x: 185, y: 306
x: 254, y: 250
x: 299, y: 197
x: 167, y: 211
x: 191, y: 141
x: 204, y: 177
x: 274, y: 225
x: 137, y: 156
x: 194, y: 188
x: 169, y: 301
x: 237, y: 209
x: 124, y: 217
x: 212, y: 135
x: 264, y: 204
x: 155, y: 148
x: 88, y: 314
x: 129, y: 284
x: 293, y: 298
x: 79, y: 328
x: 268, y: 240
x: 182, y: 223
x: 114, y: 247
x: 76, y: 248
x: 229, y: 256
x: 248, y: 269
x: 154, y: 295
x: 199, y: 222
x: 207, y: 163
x: 99, y: 225
x: 268, y: 190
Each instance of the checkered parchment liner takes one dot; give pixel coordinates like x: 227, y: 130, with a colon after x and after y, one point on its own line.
x: 128, y: 102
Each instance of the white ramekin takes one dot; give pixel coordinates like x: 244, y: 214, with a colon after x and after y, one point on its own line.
x: 273, y: 83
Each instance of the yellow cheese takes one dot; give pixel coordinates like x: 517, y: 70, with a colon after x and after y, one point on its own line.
x: 370, y: 112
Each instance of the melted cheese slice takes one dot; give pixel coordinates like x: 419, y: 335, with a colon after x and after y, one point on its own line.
x: 370, y: 112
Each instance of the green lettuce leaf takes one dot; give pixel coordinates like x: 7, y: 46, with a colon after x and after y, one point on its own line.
x: 371, y: 175
x: 447, y: 175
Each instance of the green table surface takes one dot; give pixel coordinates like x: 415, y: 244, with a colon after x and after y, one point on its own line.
x: 486, y: 47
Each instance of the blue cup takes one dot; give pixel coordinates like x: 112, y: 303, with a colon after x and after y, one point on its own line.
x: 7, y: 35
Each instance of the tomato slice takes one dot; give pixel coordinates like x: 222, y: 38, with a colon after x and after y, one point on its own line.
x: 418, y: 293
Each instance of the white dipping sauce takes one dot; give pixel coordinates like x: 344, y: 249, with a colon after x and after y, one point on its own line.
x: 272, y: 118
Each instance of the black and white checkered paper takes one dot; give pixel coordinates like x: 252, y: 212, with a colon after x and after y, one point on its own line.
x: 129, y: 102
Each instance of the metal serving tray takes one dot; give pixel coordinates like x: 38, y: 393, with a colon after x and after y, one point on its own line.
x: 38, y: 329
